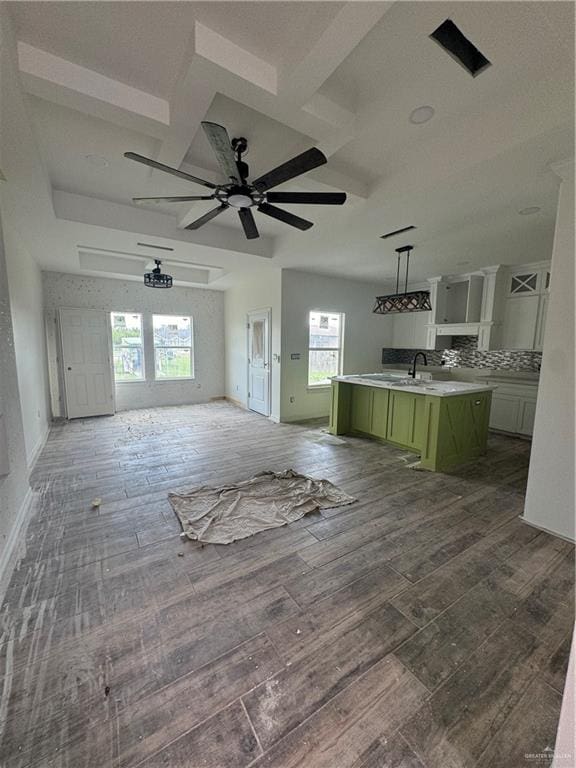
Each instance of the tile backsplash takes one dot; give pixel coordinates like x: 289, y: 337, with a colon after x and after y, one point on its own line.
x: 464, y: 354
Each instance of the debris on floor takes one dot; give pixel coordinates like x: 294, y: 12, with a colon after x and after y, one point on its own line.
x: 324, y: 437
x: 96, y: 503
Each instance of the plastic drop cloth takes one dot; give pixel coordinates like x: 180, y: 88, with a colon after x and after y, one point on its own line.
x: 268, y: 500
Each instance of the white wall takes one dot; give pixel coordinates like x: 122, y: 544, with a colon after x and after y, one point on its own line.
x: 25, y: 283
x: 14, y: 486
x: 364, y: 335
x: 550, y: 492
x: 23, y: 198
x: 258, y: 290
x: 206, y: 308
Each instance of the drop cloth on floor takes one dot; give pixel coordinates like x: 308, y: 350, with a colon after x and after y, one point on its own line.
x: 267, y: 500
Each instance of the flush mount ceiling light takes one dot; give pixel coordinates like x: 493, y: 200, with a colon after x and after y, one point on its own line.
x: 529, y: 211
x: 421, y: 115
x: 156, y: 279
x: 97, y: 160
x: 409, y: 301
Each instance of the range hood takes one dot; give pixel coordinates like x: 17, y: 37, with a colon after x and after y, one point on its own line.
x: 408, y: 301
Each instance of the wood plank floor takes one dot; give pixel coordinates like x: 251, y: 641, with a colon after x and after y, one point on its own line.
x: 424, y: 626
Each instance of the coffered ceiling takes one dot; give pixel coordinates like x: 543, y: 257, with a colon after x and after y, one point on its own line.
x: 104, y: 78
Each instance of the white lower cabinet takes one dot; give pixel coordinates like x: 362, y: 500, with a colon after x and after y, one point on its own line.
x: 526, y: 417
x: 513, y: 408
x: 504, y: 412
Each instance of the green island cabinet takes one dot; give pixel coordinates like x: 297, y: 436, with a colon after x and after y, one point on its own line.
x: 445, y: 431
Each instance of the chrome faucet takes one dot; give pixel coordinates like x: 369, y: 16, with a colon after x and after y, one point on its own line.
x: 412, y: 372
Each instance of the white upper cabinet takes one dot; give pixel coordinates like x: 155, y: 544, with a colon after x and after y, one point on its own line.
x: 525, y: 308
x: 505, y: 308
x: 520, y: 319
x: 524, y: 283
x: 409, y: 330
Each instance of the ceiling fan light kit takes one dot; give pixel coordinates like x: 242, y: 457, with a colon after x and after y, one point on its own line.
x: 408, y: 301
x: 237, y: 192
x: 157, y: 278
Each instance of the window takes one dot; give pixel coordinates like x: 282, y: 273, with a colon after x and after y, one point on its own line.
x: 127, y: 348
x: 324, y: 347
x: 173, y: 358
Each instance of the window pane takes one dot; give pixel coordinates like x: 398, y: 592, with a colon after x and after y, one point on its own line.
x: 126, y: 329
x: 321, y: 365
x: 128, y: 363
x: 257, y: 347
x: 128, y: 354
x: 172, y: 331
x: 172, y: 363
x: 324, y: 330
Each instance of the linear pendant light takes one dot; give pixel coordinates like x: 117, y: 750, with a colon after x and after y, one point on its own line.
x: 409, y: 301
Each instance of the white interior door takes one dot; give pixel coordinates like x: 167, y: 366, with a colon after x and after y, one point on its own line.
x: 259, y: 361
x: 88, y: 378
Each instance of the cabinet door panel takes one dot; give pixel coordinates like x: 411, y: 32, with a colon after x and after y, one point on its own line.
x: 399, y: 417
x: 527, y: 415
x: 379, y: 412
x: 418, y: 425
x: 520, y: 320
x: 504, y: 412
x: 406, y: 419
x: 361, y: 409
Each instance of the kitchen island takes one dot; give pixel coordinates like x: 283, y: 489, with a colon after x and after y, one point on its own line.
x: 445, y: 422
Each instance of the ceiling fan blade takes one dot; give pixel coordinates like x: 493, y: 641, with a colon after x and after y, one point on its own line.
x: 247, y: 219
x: 167, y: 169
x: 219, y: 140
x: 285, y: 216
x: 307, y: 198
x: 207, y: 217
x: 300, y: 164
x: 185, y: 199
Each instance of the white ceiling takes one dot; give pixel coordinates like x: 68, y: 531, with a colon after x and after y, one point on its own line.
x: 342, y: 76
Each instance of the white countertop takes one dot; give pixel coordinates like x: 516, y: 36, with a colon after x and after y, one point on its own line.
x: 419, y: 387
x: 513, y: 377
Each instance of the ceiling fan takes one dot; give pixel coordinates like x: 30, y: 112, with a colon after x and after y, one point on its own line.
x: 237, y: 192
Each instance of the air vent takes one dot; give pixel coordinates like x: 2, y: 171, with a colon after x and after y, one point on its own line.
x: 157, y: 247
x: 460, y: 48
x: 397, y: 232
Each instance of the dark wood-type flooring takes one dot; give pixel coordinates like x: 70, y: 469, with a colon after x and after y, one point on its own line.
x: 425, y: 626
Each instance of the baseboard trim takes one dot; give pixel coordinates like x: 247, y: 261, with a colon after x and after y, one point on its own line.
x: 37, y: 450
x: 546, y: 530
x: 15, y: 541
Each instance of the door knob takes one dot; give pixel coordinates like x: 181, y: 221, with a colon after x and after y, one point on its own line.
x: 69, y: 368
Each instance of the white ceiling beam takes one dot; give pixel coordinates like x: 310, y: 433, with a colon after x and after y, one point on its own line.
x: 348, y: 28
x: 124, y: 265
x: 226, y: 54
x: 127, y: 218
x: 55, y: 79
